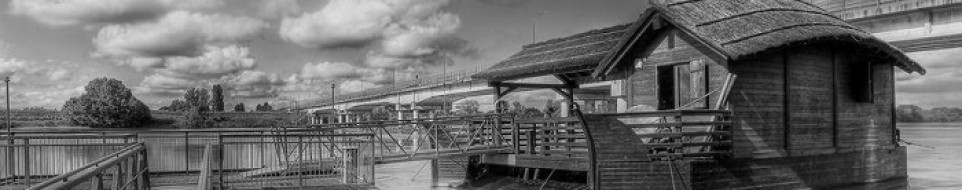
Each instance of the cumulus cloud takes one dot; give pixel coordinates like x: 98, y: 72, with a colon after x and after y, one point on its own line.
x: 178, y: 33
x: 400, y: 37
x: 84, y: 12
x: 232, y: 66
x: 214, y: 63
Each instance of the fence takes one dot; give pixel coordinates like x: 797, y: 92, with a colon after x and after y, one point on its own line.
x: 429, y: 138
x: 123, y: 169
x: 27, y: 159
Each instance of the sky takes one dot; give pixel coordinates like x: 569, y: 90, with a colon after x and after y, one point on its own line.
x: 295, y: 49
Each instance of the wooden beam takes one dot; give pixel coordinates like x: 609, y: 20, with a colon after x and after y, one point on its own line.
x: 567, y: 96
x: 506, y: 91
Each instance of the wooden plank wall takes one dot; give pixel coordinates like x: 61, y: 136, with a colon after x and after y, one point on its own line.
x: 810, y: 106
x: 865, y: 125
x: 758, y: 102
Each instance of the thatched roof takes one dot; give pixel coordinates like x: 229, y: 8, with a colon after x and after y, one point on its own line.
x: 739, y: 28
x: 733, y: 29
x: 579, y: 52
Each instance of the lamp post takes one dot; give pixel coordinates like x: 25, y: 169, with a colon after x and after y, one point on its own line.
x: 333, y: 100
x: 9, y: 127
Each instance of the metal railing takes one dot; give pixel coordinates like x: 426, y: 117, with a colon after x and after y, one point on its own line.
x: 432, y: 138
x: 28, y: 159
x: 123, y: 169
x: 299, y: 160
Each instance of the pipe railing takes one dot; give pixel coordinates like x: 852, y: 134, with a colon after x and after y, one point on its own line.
x: 124, y: 169
x: 26, y: 159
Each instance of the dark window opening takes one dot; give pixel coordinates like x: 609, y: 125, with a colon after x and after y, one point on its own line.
x: 683, y: 86
x: 862, y: 85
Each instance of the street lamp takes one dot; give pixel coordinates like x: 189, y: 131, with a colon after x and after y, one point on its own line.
x: 9, y: 127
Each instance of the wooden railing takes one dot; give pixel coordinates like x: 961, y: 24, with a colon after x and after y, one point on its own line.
x: 682, y: 133
x: 126, y: 169
x: 552, y: 137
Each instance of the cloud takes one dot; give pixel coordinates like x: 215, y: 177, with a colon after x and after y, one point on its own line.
x: 352, y: 23
x: 178, y: 33
x: 277, y: 8
x: 401, y: 37
x: 939, y: 87
x: 232, y: 66
x: 85, y: 12
x: 214, y: 63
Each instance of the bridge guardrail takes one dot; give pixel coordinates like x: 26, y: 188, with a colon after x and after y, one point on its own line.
x: 438, y: 79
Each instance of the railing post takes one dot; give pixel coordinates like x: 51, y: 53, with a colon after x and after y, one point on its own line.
x: 26, y: 161
x: 186, y: 152
x: 515, y: 136
x: 300, y: 159
x: 220, y: 161
x: 119, y: 175
x: 145, y: 177
x: 97, y: 182
x: 531, y: 141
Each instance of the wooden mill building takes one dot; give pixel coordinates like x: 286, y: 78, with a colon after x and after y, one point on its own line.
x: 782, y: 96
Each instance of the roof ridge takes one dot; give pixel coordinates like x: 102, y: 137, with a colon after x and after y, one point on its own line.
x: 580, y: 35
x: 785, y: 28
x: 565, y: 48
x: 779, y: 9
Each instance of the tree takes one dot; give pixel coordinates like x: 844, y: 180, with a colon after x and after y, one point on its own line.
x: 217, y: 98
x: 176, y: 105
x: 468, y: 107
x: 265, y: 107
x: 106, y: 102
x: 198, y: 106
x: 198, y: 98
x: 239, y: 107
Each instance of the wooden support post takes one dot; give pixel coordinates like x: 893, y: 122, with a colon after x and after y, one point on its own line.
x: 145, y: 177
x: 532, y: 142
x: 119, y: 175
x: 515, y: 137
x: 526, y: 172
x: 97, y: 182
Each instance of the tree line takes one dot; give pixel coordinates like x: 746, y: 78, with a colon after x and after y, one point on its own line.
x: 212, y: 100
x: 913, y: 113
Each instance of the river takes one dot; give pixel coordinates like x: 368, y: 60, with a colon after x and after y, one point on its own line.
x: 939, y: 164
